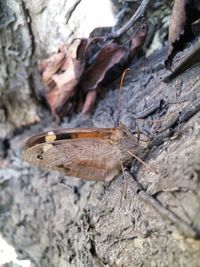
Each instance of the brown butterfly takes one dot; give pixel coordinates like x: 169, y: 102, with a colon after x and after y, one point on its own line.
x: 88, y: 153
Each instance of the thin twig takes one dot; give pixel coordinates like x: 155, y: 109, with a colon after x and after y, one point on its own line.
x: 139, y: 13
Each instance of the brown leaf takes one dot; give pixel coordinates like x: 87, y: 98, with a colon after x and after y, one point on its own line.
x: 138, y: 39
x: 74, y: 75
x: 60, y: 75
x: 110, y: 55
x: 110, y: 61
x: 66, y: 81
x: 89, y: 102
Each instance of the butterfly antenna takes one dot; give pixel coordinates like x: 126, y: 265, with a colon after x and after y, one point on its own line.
x: 144, y: 163
x: 120, y: 93
x: 138, y: 131
x: 125, y: 181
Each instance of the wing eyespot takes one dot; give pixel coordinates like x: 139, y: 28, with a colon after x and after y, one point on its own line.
x: 39, y: 156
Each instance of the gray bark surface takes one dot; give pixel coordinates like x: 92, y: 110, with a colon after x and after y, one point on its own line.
x: 55, y: 220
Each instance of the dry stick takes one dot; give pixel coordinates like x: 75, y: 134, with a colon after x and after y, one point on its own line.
x: 182, y: 226
x: 139, y: 13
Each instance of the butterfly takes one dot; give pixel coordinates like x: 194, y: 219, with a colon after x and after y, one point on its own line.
x: 87, y: 153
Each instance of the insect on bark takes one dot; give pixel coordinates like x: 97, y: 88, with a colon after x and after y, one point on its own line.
x: 88, y: 153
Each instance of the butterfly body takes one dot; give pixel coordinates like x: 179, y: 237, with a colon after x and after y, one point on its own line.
x: 87, y: 153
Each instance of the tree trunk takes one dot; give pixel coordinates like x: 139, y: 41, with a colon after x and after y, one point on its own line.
x: 55, y: 220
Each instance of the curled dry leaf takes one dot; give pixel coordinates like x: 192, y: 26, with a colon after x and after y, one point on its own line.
x: 60, y: 75
x: 184, y: 14
x: 109, y: 63
x: 74, y: 75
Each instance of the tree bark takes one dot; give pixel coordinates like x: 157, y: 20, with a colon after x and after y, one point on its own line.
x: 16, y: 81
x: 55, y: 220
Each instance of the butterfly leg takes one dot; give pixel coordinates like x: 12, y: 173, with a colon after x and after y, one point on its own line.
x: 124, y: 195
x: 151, y: 168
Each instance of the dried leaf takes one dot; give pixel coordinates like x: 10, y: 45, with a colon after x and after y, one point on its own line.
x: 89, y: 102
x: 74, y: 75
x: 105, y: 60
x: 60, y: 75
x: 110, y: 61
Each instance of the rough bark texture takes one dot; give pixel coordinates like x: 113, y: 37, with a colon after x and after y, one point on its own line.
x: 16, y: 51
x: 60, y: 221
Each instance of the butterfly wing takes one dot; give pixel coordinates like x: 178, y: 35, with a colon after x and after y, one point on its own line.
x: 86, y: 158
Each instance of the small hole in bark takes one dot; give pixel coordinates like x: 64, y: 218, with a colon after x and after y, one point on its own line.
x: 93, y: 249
